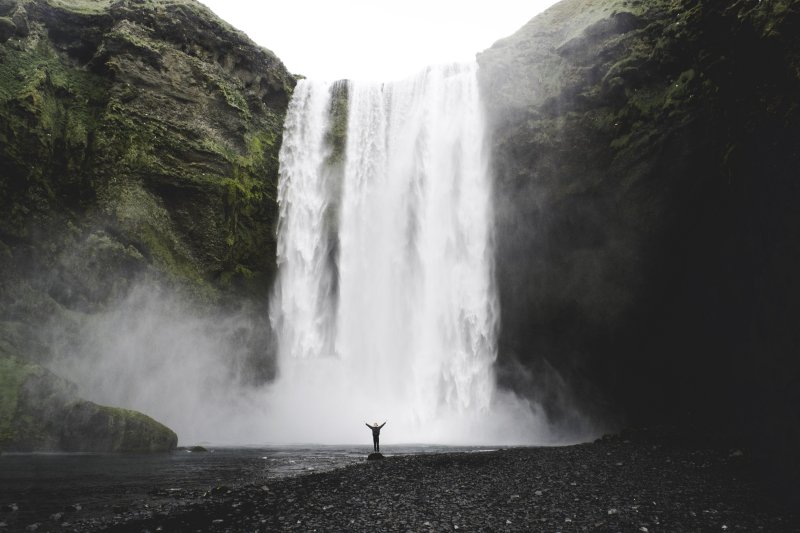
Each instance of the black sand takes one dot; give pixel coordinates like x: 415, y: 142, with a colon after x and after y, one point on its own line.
x: 642, y: 482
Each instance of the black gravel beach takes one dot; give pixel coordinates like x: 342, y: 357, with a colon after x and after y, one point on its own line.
x: 643, y: 481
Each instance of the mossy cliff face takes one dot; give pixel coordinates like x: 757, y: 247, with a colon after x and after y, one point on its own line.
x: 138, y: 144
x: 147, y: 131
x: 41, y: 412
x: 646, y: 175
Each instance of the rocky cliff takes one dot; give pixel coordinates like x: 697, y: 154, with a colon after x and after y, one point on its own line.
x: 645, y: 156
x: 646, y: 174
x: 138, y: 143
x: 155, y: 119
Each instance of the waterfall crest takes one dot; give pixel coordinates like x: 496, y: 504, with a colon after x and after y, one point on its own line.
x: 385, y: 305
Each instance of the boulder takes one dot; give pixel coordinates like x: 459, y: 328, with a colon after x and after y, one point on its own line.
x: 41, y: 412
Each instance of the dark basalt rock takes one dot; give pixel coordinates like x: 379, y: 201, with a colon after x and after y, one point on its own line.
x: 635, y: 483
x: 138, y: 144
x: 7, y: 29
x: 646, y: 168
x: 156, y: 124
x: 7, y: 7
x: 375, y: 456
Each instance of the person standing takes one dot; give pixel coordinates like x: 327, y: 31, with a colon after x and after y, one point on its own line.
x: 376, y: 434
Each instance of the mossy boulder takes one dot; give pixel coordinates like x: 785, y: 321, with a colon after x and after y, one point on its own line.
x: 91, y: 427
x: 41, y: 412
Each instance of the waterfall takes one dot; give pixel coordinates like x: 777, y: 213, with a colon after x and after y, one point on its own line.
x: 384, y: 304
x: 303, y: 304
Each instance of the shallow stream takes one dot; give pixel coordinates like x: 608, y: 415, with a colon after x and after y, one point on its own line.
x: 38, y: 487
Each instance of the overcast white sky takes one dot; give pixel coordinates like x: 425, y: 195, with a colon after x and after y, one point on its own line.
x: 374, y: 39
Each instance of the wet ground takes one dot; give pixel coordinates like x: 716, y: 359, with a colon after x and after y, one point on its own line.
x: 643, y: 482
x: 64, y: 491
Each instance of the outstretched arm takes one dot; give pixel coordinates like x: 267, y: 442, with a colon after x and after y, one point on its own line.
x: 370, y: 427
x: 384, y: 423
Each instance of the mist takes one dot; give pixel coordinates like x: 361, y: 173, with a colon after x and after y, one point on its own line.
x: 153, y: 353
x: 193, y: 372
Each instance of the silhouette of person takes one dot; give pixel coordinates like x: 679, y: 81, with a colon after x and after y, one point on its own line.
x: 376, y: 434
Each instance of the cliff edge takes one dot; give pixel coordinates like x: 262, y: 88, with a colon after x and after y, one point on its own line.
x: 646, y: 162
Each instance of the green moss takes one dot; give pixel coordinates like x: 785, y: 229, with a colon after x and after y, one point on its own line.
x: 7, y: 6
x: 25, y: 73
x: 7, y: 29
x: 142, y: 145
x: 165, y: 256
x: 149, y: 148
x: 135, y: 432
x: 13, y: 373
x: 84, y: 7
x: 680, y: 90
x: 233, y: 96
x: 48, y: 112
x: 150, y: 226
x: 52, y: 418
x: 620, y: 142
x: 137, y: 41
x: 205, y: 184
x: 245, y: 195
x: 336, y: 136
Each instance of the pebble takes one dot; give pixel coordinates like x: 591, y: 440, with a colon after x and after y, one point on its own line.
x: 487, y: 491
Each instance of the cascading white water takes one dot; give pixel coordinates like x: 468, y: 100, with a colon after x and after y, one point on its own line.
x: 303, y: 305
x: 401, y: 326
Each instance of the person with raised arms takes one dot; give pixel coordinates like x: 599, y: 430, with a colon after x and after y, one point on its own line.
x: 376, y: 434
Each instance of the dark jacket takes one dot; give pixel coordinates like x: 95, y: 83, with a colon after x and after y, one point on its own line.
x: 376, y: 430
